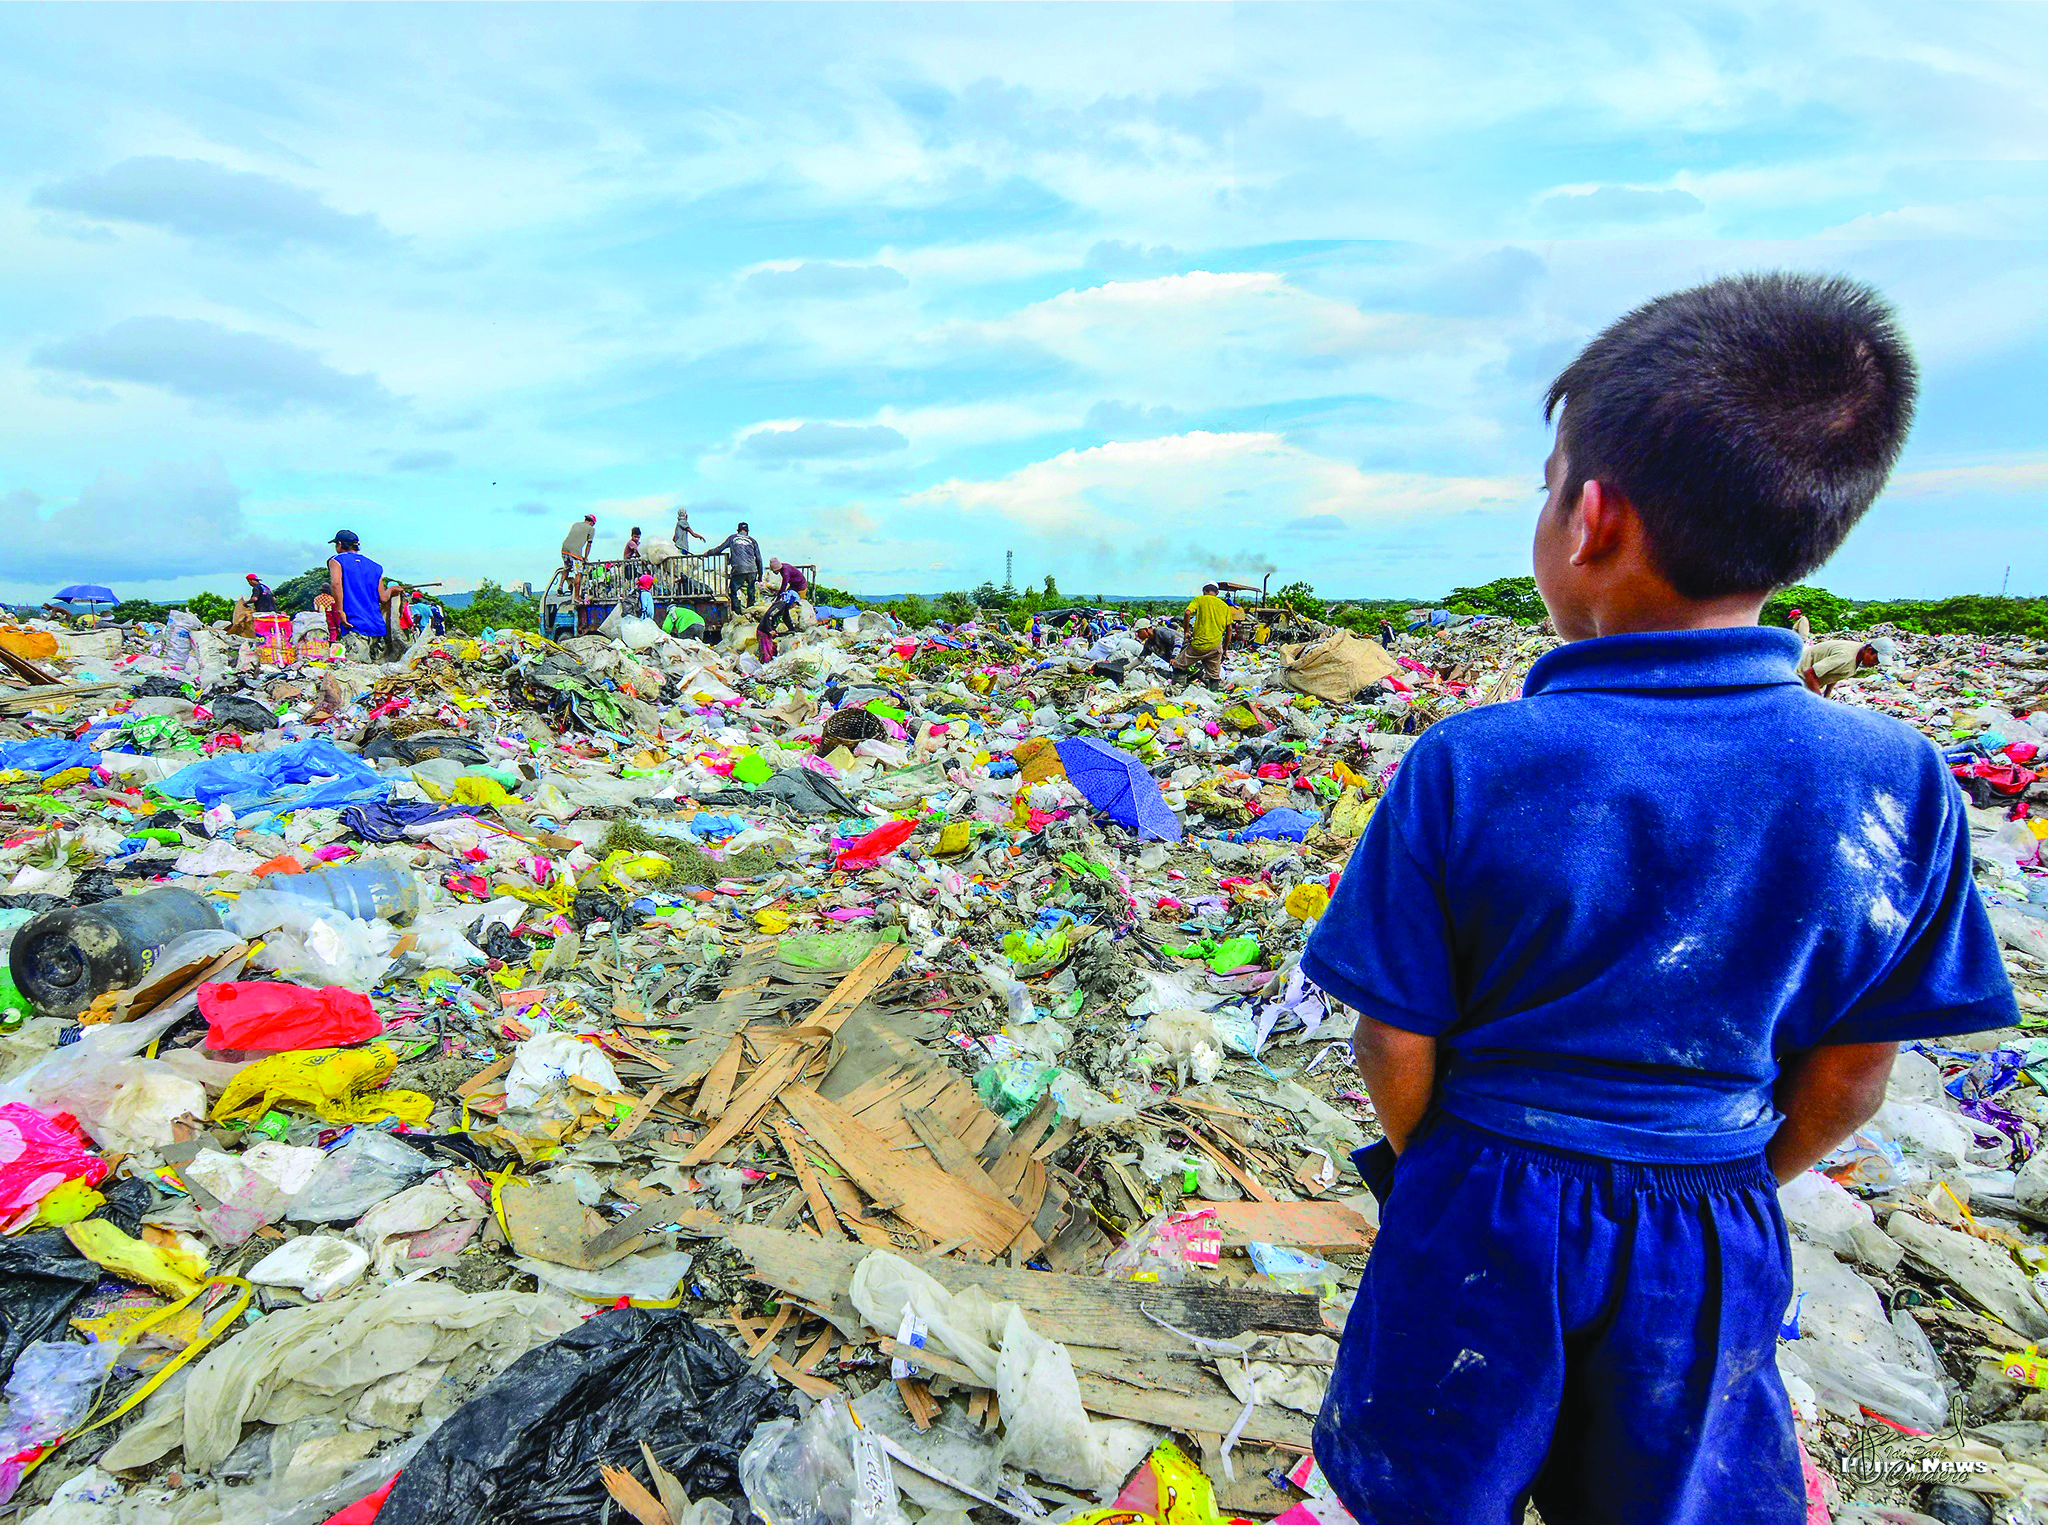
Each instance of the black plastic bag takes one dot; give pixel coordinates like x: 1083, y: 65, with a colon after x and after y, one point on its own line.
x: 42, y: 1277
x: 157, y: 686
x: 525, y: 1450
x: 35, y: 901
x: 594, y: 905
x: 93, y: 886
x: 238, y: 712
x: 497, y: 940
x: 424, y: 747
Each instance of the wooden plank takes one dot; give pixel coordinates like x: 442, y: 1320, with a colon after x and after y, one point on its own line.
x: 920, y: 1193
x: 781, y: 1321
x: 783, y: 1066
x: 1235, y: 1171
x: 917, y: 1401
x: 485, y: 1076
x: 807, y: 1178
x: 1075, y: 1310
x: 802, y: 1381
x: 845, y: 1199
x: 639, y: 1114
x: 719, y: 1080
x: 949, y: 1151
x: 1008, y: 1168
x: 679, y: 1210
x: 1323, y: 1227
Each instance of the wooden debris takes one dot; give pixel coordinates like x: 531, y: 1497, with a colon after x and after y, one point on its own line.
x: 1322, y: 1227
x: 918, y: 1192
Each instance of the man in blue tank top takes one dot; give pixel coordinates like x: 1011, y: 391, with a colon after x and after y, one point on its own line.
x: 360, y: 593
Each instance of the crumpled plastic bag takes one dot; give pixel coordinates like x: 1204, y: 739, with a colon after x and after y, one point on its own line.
x: 526, y: 1449
x: 270, y: 1017
x: 317, y: 1360
x: 338, y: 1085
x: 37, y: 1155
x: 127, y: 1106
x: 543, y: 1064
x: 1045, y: 1425
x: 369, y: 1168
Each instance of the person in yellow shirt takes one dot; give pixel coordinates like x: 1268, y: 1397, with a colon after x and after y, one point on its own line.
x: 1207, y: 621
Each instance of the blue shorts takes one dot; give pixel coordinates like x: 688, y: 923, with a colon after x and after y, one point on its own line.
x: 1598, y: 1337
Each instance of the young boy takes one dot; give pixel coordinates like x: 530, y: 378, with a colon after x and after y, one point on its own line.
x: 1631, y: 952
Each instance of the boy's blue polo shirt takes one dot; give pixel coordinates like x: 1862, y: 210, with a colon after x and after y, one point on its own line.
x: 1620, y: 902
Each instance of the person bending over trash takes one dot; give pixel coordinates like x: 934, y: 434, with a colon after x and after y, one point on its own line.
x: 793, y: 586
x: 1596, y: 1042
x: 1825, y: 664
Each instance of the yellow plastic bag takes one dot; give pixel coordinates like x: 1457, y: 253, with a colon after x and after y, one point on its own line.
x: 67, y: 1202
x: 169, y: 1271
x: 954, y: 839
x: 470, y: 789
x: 1352, y: 813
x: 337, y: 1085
x: 1306, y: 902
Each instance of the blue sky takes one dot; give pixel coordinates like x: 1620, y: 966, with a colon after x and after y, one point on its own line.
x: 1144, y: 293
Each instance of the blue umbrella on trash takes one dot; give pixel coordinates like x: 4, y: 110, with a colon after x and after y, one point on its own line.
x: 88, y: 593
x: 1116, y: 783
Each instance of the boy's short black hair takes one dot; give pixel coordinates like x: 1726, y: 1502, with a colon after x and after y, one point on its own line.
x: 1751, y: 422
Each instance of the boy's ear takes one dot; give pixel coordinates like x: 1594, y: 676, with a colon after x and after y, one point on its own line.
x: 1601, y: 522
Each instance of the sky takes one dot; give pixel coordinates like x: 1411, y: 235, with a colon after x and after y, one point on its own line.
x: 1144, y: 294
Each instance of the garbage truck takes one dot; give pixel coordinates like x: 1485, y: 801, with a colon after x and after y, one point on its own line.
x: 580, y: 600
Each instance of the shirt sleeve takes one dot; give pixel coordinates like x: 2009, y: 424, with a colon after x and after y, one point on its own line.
x: 1947, y: 976
x: 1384, y: 946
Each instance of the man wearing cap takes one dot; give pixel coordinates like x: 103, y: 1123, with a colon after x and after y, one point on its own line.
x: 576, y: 544
x: 1824, y: 664
x: 261, y: 598
x: 683, y: 532
x: 646, y: 586
x: 742, y: 565
x: 1801, y: 625
x: 360, y: 593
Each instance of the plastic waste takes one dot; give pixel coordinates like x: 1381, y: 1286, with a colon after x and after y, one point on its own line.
x: 868, y: 850
x: 365, y: 1170
x: 315, y: 1265
x: 366, y: 892
x: 822, y: 1471
x: 269, y: 1017
x: 42, y: 1277
x: 1848, y: 1350
x: 543, y: 1065
x: 528, y: 1446
x: 337, y: 1085
x: 313, y: 941
x: 1166, y: 1247
x: 52, y: 1387
x: 39, y: 1154
x: 64, y: 959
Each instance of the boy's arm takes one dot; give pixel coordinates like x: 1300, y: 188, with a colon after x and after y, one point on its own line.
x: 1826, y: 1094
x: 1399, y: 1070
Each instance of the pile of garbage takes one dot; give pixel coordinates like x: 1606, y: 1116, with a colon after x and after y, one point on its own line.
x: 874, y: 1084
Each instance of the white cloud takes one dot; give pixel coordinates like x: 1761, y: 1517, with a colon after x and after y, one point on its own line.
x: 1201, y: 483
x: 1987, y: 477
x: 170, y: 520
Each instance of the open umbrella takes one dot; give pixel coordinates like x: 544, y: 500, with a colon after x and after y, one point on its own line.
x: 88, y: 593
x: 1116, y: 784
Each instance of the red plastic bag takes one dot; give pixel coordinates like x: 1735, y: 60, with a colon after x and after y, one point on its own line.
x: 271, y: 1018
x: 871, y: 849
x: 38, y: 1154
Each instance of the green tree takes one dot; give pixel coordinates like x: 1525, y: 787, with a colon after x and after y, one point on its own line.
x: 955, y: 607
x: 491, y: 607
x: 912, y: 610
x: 210, y: 607
x: 1301, y: 598
x: 295, y: 594
x: 133, y: 611
x: 989, y: 596
x: 1827, y: 611
x: 1512, y: 598
x: 1052, y: 593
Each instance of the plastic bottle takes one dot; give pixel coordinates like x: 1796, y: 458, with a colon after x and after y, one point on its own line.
x: 367, y: 892
x: 63, y: 959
